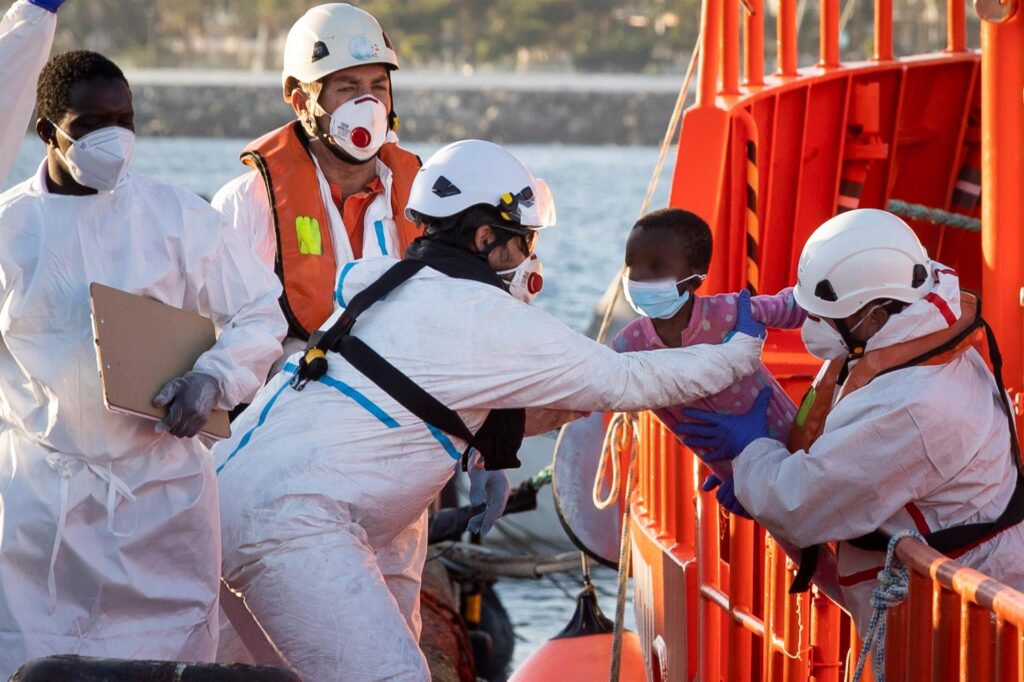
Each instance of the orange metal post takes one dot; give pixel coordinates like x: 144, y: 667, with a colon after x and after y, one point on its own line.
x: 956, y: 34
x: 977, y: 642
x: 1002, y: 191
x: 709, y: 617
x: 829, y: 34
x: 754, y: 41
x: 711, y: 11
x: 731, y: 48
x: 741, y: 595
x: 920, y: 612
x: 945, y: 637
x: 896, y: 643
x: 825, y: 660
x: 787, y: 37
x: 883, y: 30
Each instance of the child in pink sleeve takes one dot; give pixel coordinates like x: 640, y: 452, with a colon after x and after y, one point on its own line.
x: 667, y: 256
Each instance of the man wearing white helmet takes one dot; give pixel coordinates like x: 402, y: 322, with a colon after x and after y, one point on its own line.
x: 331, y: 186
x: 325, y: 484
x: 905, y: 427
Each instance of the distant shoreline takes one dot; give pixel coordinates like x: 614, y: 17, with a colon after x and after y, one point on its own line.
x: 567, y: 108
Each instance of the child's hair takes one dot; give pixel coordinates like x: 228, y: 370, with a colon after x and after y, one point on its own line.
x: 691, y: 230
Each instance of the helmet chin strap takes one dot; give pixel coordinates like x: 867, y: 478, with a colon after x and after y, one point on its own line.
x: 855, y: 348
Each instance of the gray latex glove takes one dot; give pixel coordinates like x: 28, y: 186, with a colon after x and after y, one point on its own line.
x: 489, y: 488
x: 189, y: 400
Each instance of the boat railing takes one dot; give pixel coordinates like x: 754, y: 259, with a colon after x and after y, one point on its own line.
x: 736, y: 620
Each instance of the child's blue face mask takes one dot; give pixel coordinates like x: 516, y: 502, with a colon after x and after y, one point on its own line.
x: 659, y: 298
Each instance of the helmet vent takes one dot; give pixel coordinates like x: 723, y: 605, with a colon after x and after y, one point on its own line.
x: 825, y: 292
x: 444, y: 188
x: 320, y: 50
x: 920, y: 275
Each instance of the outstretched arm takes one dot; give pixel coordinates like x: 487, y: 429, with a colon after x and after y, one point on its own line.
x: 26, y: 34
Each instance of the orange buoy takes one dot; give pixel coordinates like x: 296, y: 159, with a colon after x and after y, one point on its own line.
x: 582, y: 652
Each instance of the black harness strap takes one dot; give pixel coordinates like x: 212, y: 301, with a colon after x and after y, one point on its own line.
x: 406, y: 392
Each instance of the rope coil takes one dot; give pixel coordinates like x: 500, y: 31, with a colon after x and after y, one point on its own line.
x: 892, y: 589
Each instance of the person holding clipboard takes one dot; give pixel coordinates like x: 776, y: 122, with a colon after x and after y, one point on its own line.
x: 109, y: 529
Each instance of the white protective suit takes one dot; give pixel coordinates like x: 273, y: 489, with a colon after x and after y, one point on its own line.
x: 324, y: 491
x: 26, y: 34
x: 109, y: 542
x: 934, y: 436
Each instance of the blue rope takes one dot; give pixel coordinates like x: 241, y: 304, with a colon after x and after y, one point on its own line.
x: 935, y: 216
x: 892, y: 588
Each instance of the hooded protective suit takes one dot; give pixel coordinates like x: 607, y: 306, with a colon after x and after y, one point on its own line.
x: 923, y: 448
x: 323, y: 491
x: 26, y: 34
x: 109, y: 542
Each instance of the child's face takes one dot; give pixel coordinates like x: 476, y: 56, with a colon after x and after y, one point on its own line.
x: 656, y: 254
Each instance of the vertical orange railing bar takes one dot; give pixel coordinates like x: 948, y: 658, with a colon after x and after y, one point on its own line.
x: 828, y: 36
x: 753, y: 40
x: 920, y: 610
x: 786, y: 32
x: 685, y: 495
x: 710, y: 32
x: 956, y: 31
x: 945, y: 636
x: 976, y: 641
x: 731, y: 47
x: 1002, y: 189
x: 825, y: 660
x: 670, y: 501
x: 741, y: 595
x: 896, y: 642
x: 883, y: 30
x: 709, y: 617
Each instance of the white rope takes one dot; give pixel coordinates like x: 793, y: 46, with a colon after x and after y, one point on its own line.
x: 611, y: 456
x: 624, y: 554
x: 652, y: 184
x: 892, y: 588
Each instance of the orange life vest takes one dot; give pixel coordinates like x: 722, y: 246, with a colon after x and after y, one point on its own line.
x: 283, y: 160
x: 938, y: 348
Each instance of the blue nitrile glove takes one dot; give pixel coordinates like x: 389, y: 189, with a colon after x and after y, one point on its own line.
x: 724, y: 436
x: 48, y: 5
x: 489, y: 488
x: 726, y: 495
x: 745, y: 322
x: 189, y: 399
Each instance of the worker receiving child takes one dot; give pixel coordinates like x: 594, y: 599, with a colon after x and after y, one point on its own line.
x: 905, y: 427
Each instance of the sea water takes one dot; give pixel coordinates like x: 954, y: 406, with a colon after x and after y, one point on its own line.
x: 598, y: 193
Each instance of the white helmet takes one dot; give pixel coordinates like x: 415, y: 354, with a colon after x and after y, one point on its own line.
x: 329, y: 38
x: 857, y: 257
x: 473, y: 172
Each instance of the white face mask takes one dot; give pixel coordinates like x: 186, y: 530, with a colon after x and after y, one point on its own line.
x: 359, y: 127
x: 527, y: 278
x: 822, y: 340
x: 660, y: 298
x: 99, y: 159
x: 825, y: 342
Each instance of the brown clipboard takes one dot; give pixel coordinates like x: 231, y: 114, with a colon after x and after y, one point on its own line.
x: 141, y: 344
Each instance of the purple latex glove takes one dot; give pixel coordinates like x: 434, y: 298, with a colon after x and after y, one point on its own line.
x: 724, y: 436
x: 189, y: 400
x: 745, y: 322
x: 48, y: 5
x: 726, y: 494
x: 489, y: 488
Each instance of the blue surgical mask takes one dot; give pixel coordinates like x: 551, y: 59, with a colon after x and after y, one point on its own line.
x: 659, y: 298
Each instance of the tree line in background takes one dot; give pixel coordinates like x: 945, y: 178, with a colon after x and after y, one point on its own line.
x: 463, y: 35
